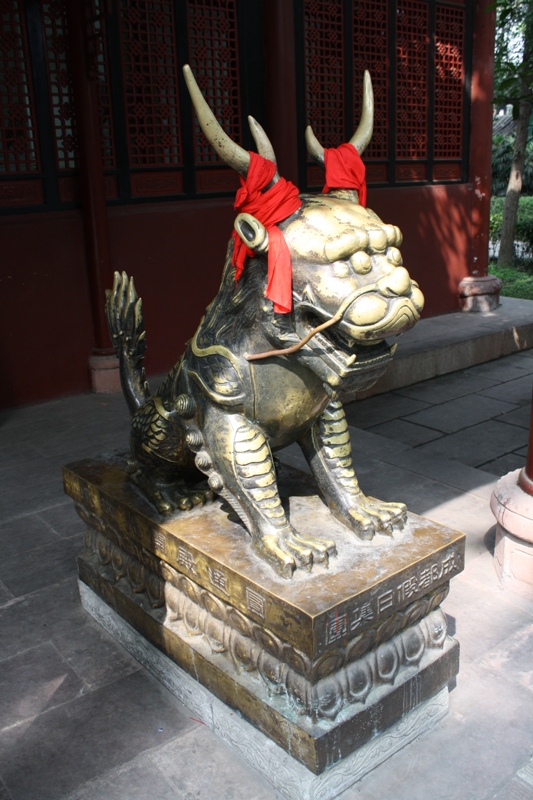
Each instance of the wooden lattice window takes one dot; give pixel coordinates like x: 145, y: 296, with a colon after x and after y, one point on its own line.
x: 449, y: 101
x: 214, y: 58
x: 416, y: 53
x: 19, y: 151
x: 370, y: 49
x: 60, y: 84
x: 412, y: 40
x: 150, y: 82
x: 324, y: 89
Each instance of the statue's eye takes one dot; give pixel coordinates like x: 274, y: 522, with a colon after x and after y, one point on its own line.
x: 347, y: 243
x: 361, y: 262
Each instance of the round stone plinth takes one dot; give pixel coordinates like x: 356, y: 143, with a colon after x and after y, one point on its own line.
x: 479, y: 293
x: 105, y: 374
x: 513, y: 553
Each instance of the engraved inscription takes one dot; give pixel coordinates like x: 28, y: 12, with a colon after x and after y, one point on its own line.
x: 385, y: 601
x: 158, y: 541
x: 218, y: 579
x: 361, y: 614
x: 336, y: 627
x: 255, y: 602
x: 187, y: 560
x: 424, y: 579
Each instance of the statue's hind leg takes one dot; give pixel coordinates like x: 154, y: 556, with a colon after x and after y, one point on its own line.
x: 328, y: 450
x: 238, y: 460
x: 162, y: 465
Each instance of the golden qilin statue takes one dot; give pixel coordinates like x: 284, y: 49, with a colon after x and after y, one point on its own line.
x: 311, y: 288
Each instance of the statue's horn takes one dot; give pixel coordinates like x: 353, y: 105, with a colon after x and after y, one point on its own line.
x: 262, y: 142
x: 363, y: 134
x: 234, y: 155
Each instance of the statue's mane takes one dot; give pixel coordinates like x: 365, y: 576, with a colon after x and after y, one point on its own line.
x: 235, y: 307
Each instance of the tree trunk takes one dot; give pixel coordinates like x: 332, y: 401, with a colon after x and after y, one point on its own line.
x: 514, y: 187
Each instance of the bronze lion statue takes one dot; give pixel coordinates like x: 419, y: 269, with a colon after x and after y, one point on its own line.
x: 272, y: 353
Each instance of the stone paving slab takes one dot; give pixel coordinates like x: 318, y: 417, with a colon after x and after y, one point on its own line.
x: 517, y: 391
x: 91, y: 742
x: 448, y: 387
x: 49, y: 755
x: 478, y: 444
x: 473, y: 752
x: 463, y: 412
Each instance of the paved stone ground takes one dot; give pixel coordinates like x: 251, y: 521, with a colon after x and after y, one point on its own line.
x: 79, y: 719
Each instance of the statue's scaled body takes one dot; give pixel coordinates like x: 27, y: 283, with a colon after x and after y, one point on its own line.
x: 222, y: 414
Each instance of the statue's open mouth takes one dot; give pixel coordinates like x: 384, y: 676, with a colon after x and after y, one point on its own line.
x: 345, y: 354
x: 401, y: 315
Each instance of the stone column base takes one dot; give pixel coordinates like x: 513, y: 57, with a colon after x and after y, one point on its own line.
x: 480, y: 294
x: 105, y: 375
x: 513, y: 554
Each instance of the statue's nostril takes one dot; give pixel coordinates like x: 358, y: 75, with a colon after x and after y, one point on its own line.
x: 397, y: 282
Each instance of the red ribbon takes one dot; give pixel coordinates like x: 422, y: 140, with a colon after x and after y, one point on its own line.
x: 345, y: 170
x: 270, y: 207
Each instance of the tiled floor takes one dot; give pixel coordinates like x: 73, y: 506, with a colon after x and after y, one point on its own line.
x: 80, y: 719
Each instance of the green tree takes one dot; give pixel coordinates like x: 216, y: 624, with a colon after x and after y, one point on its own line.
x: 513, y: 69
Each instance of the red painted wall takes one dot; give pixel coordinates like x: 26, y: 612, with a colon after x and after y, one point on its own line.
x: 45, y: 319
x: 175, y: 251
x: 436, y: 222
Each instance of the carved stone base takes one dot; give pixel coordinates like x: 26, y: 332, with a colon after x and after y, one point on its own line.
x: 286, y: 775
x: 322, y: 663
x: 513, y: 552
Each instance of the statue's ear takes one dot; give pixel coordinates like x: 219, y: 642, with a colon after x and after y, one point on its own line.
x: 252, y: 232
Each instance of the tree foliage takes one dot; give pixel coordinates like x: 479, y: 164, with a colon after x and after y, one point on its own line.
x: 514, y: 85
x: 513, y: 66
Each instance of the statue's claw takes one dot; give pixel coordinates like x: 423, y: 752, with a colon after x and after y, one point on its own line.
x: 169, y: 497
x: 370, y: 516
x: 270, y: 549
x: 321, y: 549
x: 285, y: 550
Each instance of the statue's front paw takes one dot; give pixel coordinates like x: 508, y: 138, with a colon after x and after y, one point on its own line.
x: 286, y: 550
x: 367, y: 516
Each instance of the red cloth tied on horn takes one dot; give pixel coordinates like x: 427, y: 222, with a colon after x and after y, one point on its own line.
x: 345, y: 170
x: 270, y: 207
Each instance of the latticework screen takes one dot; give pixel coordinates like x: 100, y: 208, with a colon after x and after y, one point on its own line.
x: 324, y: 69
x: 19, y: 150
x: 150, y: 70
x: 415, y: 51
x: 214, y: 58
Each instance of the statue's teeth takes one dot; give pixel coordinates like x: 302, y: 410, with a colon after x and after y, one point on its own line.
x: 350, y: 360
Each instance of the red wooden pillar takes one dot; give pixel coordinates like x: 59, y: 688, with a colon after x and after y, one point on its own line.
x: 280, y: 68
x: 479, y: 291
x: 97, y: 245
x: 481, y: 136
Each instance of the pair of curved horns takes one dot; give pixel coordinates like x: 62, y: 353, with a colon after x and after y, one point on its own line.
x: 234, y: 156
x: 363, y: 134
x: 238, y: 158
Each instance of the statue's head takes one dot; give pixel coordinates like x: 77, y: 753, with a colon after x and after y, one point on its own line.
x: 346, y: 266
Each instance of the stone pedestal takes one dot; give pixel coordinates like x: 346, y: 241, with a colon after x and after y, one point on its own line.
x: 321, y: 664
x: 105, y: 374
x: 513, y: 553
x: 480, y: 294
